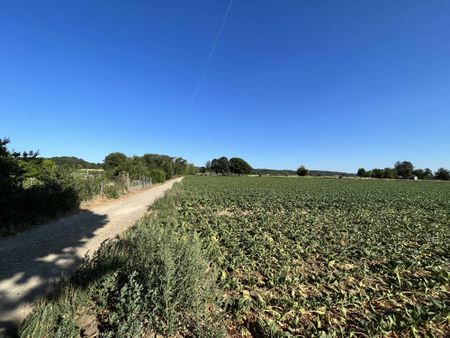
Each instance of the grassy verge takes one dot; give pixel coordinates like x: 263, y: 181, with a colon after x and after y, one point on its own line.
x: 156, y: 280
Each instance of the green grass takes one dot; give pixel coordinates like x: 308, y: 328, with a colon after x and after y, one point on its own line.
x: 271, y: 257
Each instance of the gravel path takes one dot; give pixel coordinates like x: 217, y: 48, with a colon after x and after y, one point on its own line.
x: 31, y: 261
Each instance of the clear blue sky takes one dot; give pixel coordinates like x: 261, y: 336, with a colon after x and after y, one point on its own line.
x: 328, y: 84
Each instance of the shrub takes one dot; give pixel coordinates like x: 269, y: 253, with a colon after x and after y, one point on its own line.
x: 36, y: 204
x: 89, y: 187
x: 157, y: 175
x: 111, y: 190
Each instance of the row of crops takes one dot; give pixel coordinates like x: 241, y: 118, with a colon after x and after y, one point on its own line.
x: 268, y: 257
x: 311, y: 257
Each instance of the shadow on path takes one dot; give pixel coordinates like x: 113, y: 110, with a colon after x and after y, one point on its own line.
x: 33, y: 260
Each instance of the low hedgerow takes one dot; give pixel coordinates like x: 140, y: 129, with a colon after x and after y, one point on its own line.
x: 156, y: 280
x: 37, y: 204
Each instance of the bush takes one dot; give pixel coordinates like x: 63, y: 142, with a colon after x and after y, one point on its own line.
x: 157, y: 175
x: 111, y: 190
x: 36, y: 204
x: 89, y: 187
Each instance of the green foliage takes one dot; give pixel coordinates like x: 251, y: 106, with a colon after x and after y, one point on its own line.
x: 112, y: 190
x: 389, y: 173
x: 71, y: 162
x: 404, y: 169
x: 56, y: 317
x: 302, y: 171
x: 138, y: 166
x: 162, y: 162
x: 423, y: 174
x: 157, y: 175
x: 442, y: 174
x: 220, y: 166
x: 11, y: 173
x: 326, y: 257
x: 115, y: 163
x: 22, y: 208
x: 362, y: 172
x: 239, y: 166
x: 273, y: 172
x: 156, y: 280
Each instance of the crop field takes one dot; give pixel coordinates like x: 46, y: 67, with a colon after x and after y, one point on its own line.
x: 326, y: 257
x: 268, y: 257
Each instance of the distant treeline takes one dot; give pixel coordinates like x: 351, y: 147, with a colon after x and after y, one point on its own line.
x: 158, y: 167
x: 74, y: 163
x: 35, y: 189
x: 239, y: 166
x: 405, y: 170
x: 287, y: 172
x: 273, y: 172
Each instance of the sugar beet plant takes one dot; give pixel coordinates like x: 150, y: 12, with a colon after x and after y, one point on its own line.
x: 326, y: 257
x: 269, y: 257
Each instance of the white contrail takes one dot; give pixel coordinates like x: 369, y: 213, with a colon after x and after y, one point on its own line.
x: 211, y: 53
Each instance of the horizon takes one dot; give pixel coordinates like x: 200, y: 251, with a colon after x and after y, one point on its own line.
x: 333, y: 87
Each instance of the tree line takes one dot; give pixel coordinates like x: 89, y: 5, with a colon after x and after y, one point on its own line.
x: 223, y: 166
x: 158, y: 167
x: 34, y: 189
x: 405, y: 170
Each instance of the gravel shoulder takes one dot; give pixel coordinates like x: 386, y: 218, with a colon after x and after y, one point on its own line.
x: 33, y: 260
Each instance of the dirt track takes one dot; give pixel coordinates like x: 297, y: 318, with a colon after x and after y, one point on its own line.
x: 32, y: 261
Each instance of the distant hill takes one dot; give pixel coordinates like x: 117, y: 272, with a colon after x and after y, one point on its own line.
x: 74, y: 162
x: 330, y: 173
x: 273, y: 172
x: 287, y: 172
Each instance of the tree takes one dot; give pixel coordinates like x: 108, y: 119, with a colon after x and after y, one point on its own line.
x: 115, y: 162
x: 221, y: 165
x: 136, y: 167
x: 180, y: 166
x: 378, y: 173
x: 428, y: 174
x: 208, y: 166
x: 404, y: 169
x: 164, y: 162
x: 302, y: 171
x: 362, y: 172
x: 239, y: 166
x: 423, y: 174
x: 442, y: 174
x: 390, y: 173
x: 11, y: 173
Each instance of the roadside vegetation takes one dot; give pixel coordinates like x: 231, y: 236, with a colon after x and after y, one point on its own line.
x: 157, y: 280
x: 281, y: 257
x: 34, y: 190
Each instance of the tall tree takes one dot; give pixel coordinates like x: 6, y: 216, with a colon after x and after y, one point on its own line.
x: 404, y: 169
x: 11, y: 173
x: 442, y: 174
x: 221, y: 165
x: 115, y: 162
x: 239, y: 166
x: 163, y: 162
x: 362, y: 172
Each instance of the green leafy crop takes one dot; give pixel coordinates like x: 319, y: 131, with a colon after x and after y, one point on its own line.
x: 326, y: 257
